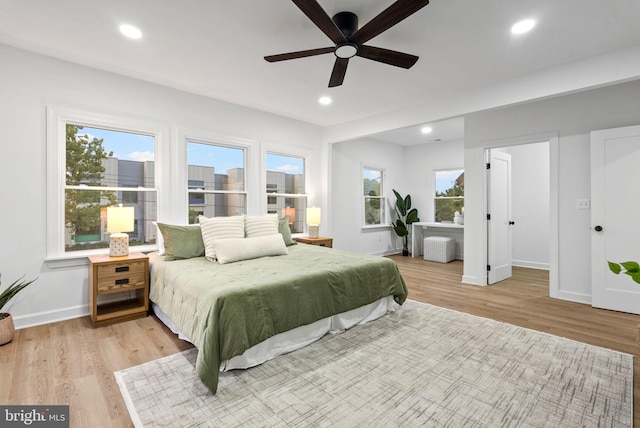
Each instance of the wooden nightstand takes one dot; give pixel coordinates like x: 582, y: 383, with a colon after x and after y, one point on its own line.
x: 320, y: 241
x: 125, y: 275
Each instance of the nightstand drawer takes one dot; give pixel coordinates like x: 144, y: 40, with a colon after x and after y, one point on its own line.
x: 116, y: 283
x: 119, y: 269
x: 114, y: 277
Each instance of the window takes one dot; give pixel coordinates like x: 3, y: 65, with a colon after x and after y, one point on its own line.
x: 374, y: 199
x: 102, y: 169
x: 215, y: 180
x: 449, y: 194
x: 285, y: 190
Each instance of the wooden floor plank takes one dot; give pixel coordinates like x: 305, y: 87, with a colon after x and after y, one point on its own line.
x: 78, y: 361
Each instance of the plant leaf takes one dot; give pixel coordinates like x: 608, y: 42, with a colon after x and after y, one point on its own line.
x: 17, y: 286
x: 412, y: 216
x: 615, y: 267
x: 407, y: 202
x: 401, y: 231
x: 400, y: 205
x: 635, y: 276
x: 631, y: 267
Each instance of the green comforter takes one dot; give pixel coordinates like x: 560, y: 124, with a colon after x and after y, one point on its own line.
x: 226, y: 309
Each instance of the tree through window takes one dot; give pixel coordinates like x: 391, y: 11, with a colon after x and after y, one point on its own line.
x: 103, y: 168
x: 374, y: 199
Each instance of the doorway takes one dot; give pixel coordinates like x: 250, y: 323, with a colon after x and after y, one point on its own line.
x: 519, y: 232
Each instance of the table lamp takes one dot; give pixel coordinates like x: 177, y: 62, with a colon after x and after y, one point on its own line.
x: 119, y: 220
x: 313, y: 220
x: 291, y: 212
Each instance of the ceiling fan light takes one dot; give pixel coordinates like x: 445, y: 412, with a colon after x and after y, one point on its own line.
x: 346, y: 50
x: 325, y: 101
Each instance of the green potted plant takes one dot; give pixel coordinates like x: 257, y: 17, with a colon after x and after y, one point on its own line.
x: 7, y: 328
x: 406, y: 216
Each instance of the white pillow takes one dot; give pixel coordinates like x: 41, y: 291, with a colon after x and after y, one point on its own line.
x: 260, y: 225
x: 236, y: 249
x: 216, y: 228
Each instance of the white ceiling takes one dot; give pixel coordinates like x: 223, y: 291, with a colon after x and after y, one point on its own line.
x: 215, y: 48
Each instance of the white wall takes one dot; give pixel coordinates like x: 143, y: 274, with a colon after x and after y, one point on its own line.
x: 530, y: 181
x: 32, y: 82
x: 571, y: 117
x: 348, y: 158
x: 409, y: 170
x: 421, y: 162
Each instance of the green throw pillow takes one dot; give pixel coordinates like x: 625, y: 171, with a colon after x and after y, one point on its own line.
x: 181, y: 242
x: 283, y: 228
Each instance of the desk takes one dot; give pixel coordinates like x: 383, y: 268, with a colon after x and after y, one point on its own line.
x: 422, y: 229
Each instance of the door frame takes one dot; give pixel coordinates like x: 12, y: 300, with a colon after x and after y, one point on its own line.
x: 552, y: 138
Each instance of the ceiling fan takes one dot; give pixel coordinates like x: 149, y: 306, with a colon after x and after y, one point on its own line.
x: 349, y: 41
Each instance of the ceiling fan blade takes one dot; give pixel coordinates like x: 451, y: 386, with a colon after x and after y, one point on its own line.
x: 298, y: 54
x: 318, y: 16
x: 387, y: 56
x: 339, y: 70
x: 389, y: 17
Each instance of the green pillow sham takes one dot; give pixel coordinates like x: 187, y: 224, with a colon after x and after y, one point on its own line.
x: 181, y: 242
x: 283, y: 228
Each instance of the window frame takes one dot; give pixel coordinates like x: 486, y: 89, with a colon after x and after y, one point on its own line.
x: 384, y: 221
x: 57, y: 119
x: 434, y: 198
x: 218, y: 143
x: 265, y: 189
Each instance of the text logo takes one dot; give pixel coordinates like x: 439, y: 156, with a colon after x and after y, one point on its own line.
x: 34, y: 416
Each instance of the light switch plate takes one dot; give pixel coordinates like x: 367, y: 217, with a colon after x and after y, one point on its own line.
x: 583, y: 204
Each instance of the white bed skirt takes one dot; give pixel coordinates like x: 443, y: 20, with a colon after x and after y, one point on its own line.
x: 298, y: 337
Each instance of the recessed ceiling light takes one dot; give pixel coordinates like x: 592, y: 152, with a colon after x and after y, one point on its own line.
x: 325, y: 101
x: 426, y: 130
x: 130, y: 31
x: 523, y: 26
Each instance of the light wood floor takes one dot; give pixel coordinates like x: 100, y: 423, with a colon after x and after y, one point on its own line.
x: 72, y: 363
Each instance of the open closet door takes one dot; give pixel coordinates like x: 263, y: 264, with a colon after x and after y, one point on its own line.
x: 499, y: 216
x: 615, y: 210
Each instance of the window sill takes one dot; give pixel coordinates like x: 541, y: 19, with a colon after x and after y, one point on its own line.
x: 79, y: 258
x: 375, y: 227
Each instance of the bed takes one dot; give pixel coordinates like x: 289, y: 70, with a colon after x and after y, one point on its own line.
x: 242, y: 313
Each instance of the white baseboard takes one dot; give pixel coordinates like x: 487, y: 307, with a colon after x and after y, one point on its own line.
x: 386, y: 253
x: 468, y: 279
x: 530, y: 265
x: 575, y: 297
x: 48, y: 317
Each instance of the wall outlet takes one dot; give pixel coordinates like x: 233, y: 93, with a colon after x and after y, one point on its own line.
x: 583, y: 204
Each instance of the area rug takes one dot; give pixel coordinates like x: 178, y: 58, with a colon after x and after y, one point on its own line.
x: 420, y: 366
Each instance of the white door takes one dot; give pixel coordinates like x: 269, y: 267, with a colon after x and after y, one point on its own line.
x: 499, y: 217
x: 615, y: 216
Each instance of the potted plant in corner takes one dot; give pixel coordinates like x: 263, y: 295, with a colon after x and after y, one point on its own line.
x: 7, y: 328
x: 406, y: 216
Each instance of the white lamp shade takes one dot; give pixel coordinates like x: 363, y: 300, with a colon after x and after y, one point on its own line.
x: 313, y: 216
x: 120, y: 219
